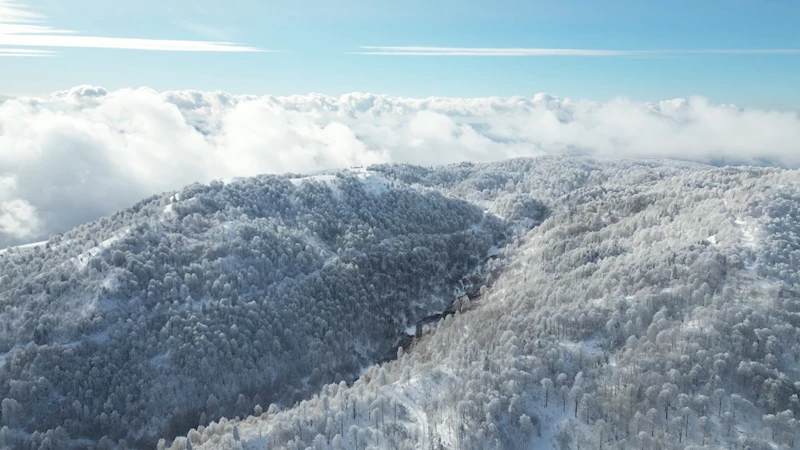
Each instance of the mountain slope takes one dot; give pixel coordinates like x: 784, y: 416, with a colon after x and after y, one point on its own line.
x: 656, y: 307
x: 203, y: 303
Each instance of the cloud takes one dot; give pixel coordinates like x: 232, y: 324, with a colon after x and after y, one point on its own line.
x: 465, y: 51
x: 18, y: 218
x: 76, y: 155
x: 473, y: 51
x: 19, y: 32
x: 20, y: 52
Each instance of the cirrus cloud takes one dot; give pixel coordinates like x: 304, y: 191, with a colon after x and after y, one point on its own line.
x: 489, y: 51
x: 76, y: 155
x: 20, y: 30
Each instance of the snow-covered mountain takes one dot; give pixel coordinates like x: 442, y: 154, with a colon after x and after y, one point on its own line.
x: 613, y: 304
x: 203, y: 303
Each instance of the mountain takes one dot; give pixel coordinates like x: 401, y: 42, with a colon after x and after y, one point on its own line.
x: 200, y: 304
x: 584, y: 303
x: 655, y: 308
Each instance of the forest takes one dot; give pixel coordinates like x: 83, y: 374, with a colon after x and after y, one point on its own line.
x: 200, y: 304
x: 627, y: 304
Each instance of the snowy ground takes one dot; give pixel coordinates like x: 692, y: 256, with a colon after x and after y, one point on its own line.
x: 82, y: 260
x: 24, y: 246
x: 372, y: 182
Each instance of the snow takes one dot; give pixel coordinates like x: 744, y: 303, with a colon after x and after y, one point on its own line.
x: 82, y: 260
x: 410, y: 395
x: 590, y: 347
x: 160, y: 360
x: 373, y: 184
x: 411, y: 330
x: 329, y: 180
x: 330, y: 260
x: 24, y: 246
x: 320, y: 178
x: 694, y: 325
x: 712, y: 240
x: 168, y: 213
x: 552, y: 419
x: 748, y: 240
x: 748, y: 233
x: 315, y: 241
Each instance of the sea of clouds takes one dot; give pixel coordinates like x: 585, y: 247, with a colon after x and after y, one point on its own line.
x: 76, y: 155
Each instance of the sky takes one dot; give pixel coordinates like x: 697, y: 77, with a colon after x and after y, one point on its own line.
x: 731, y: 51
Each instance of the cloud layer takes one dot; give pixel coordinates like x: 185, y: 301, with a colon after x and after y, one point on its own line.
x: 76, y: 155
x: 19, y: 31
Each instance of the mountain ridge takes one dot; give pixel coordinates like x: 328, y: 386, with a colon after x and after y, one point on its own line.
x: 604, y: 324
x: 630, y: 308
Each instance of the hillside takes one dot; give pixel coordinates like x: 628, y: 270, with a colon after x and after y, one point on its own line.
x: 656, y: 307
x: 629, y: 304
x: 203, y: 303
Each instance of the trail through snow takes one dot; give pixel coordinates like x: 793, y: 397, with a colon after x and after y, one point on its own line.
x: 421, y: 417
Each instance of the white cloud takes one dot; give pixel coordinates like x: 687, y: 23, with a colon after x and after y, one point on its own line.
x: 468, y: 51
x: 24, y: 52
x: 19, y: 31
x: 18, y: 218
x: 79, y: 154
x: 478, y: 51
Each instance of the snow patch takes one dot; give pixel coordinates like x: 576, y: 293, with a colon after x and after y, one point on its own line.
x: 589, y: 348
x: 168, y: 213
x: 327, y: 179
x: 160, y: 360
x: 372, y: 182
x: 410, y: 395
x: 24, y: 246
x: 101, y: 336
x: 330, y: 260
x: 694, y: 325
x: 749, y: 241
x: 749, y: 233
x: 82, y: 260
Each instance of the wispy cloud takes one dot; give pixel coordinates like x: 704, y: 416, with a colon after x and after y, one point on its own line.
x: 479, y: 51
x: 472, y: 51
x: 744, y: 51
x: 21, y: 29
x: 24, y: 52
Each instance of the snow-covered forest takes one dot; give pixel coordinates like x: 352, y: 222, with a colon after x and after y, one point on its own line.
x: 613, y: 304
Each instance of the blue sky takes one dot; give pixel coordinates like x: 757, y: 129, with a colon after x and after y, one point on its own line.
x: 317, y: 41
